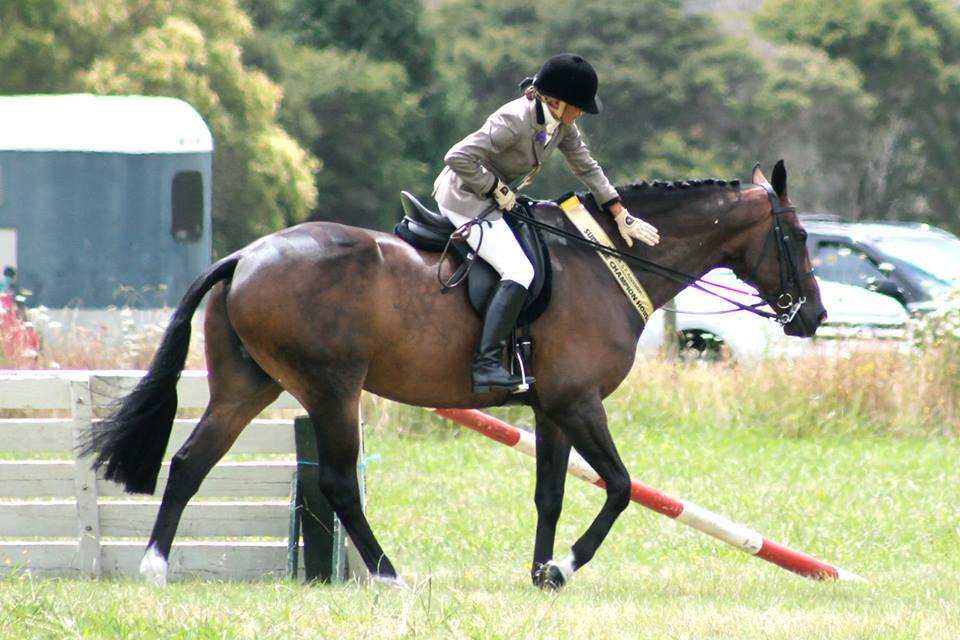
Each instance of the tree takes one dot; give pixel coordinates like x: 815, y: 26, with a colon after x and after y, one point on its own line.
x: 263, y: 179
x: 354, y: 114
x: 381, y: 29
x: 362, y: 91
x: 683, y: 98
x: 908, y: 52
x: 814, y: 112
x: 32, y: 58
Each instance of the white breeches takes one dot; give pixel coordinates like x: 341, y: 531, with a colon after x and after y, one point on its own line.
x: 496, y: 244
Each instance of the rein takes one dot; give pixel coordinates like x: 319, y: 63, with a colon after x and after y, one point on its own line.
x: 787, y: 264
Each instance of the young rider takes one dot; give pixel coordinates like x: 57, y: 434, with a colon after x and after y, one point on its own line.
x: 512, y: 144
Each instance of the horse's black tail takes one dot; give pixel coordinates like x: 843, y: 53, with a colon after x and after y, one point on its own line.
x: 132, y: 441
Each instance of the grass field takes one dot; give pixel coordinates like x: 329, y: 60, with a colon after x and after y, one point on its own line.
x: 867, y: 483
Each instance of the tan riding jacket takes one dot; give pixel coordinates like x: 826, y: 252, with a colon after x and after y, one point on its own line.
x: 510, y: 145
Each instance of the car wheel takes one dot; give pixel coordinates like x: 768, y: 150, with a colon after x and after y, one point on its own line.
x: 703, y: 346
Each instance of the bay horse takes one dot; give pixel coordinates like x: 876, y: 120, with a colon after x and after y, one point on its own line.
x: 326, y: 311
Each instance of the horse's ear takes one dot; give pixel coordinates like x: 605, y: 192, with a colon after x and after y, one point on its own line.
x: 780, y: 180
x: 758, y: 177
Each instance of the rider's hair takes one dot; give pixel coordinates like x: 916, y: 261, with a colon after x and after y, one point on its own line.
x: 532, y: 93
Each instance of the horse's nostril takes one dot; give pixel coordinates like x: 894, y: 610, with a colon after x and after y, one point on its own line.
x: 822, y: 317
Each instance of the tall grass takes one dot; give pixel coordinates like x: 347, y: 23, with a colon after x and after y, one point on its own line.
x: 74, y: 345
x: 883, y: 392
x: 908, y: 391
x: 887, y: 392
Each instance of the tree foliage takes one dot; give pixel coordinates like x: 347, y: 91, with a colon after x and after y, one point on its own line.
x: 683, y: 98
x: 325, y: 109
x: 363, y: 93
x: 908, y: 55
x: 263, y: 178
x: 353, y: 114
x: 381, y: 29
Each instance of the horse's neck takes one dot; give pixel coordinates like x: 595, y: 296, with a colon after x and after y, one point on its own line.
x: 693, y: 255
x: 695, y: 230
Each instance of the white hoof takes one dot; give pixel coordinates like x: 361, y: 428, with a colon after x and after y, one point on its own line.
x: 153, y: 567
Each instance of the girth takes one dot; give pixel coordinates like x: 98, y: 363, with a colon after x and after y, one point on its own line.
x: 429, y: 231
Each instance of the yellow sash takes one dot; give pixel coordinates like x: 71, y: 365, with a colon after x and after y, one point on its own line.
x: 591, y: 230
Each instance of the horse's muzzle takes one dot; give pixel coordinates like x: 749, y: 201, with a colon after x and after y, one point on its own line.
x: 806, y: 322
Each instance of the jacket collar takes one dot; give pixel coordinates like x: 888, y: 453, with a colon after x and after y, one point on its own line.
x: 540, y: 130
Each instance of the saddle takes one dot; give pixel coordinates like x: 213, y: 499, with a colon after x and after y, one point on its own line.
x: 429, y: 231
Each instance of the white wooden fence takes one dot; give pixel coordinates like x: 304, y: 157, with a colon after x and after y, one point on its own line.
x: 59, y: 518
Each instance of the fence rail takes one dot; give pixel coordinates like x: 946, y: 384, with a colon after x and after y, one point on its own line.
x: 59, y: 518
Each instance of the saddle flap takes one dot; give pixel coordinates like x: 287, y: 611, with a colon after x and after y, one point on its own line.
x: 481, y: 281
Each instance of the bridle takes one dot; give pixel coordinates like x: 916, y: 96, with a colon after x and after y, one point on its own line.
x: 790, y: 276
x: 786, y: 308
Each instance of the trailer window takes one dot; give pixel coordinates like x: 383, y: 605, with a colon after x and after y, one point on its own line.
x: 187, y: 200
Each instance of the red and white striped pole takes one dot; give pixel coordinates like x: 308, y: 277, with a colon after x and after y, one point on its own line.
x: 688, y: 513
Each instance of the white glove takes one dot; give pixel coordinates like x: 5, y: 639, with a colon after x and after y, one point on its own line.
x: 633, y: 228
x: 504, y: 195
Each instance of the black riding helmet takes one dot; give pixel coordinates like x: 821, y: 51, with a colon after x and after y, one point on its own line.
x: 570, y: 78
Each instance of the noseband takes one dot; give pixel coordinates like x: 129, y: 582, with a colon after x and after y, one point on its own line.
x: 790, y: 276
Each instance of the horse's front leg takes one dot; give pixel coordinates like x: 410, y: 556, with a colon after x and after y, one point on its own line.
x: 584, y: 422
x: 553, y: 453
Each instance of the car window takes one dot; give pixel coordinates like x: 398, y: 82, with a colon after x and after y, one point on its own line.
x: 843, y: 263
x: 935, y: 260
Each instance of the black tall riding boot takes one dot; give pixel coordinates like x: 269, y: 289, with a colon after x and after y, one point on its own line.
x: 498, y: 322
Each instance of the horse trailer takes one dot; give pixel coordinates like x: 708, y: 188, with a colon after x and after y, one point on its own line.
x: 105, y: 201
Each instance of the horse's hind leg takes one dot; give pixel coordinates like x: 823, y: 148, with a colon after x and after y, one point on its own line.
x: 335, y: 416
x: 211, y: 439
x: 239, y: 390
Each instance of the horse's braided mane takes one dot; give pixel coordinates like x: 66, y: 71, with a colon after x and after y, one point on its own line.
x: 669, y: 185
x: 669, y: 193
x: 668, y: 190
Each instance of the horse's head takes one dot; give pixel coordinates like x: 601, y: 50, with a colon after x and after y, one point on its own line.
x: 775, y: 258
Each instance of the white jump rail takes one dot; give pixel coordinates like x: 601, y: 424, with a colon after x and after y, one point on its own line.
x: 58, y: 518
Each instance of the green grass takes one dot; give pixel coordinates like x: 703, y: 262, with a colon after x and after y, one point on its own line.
x: 455, y: 513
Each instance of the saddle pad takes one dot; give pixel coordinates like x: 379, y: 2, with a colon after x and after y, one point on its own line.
x: 483, y: 278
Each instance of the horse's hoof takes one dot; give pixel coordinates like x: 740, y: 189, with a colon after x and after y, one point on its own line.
x: 549, y: 577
